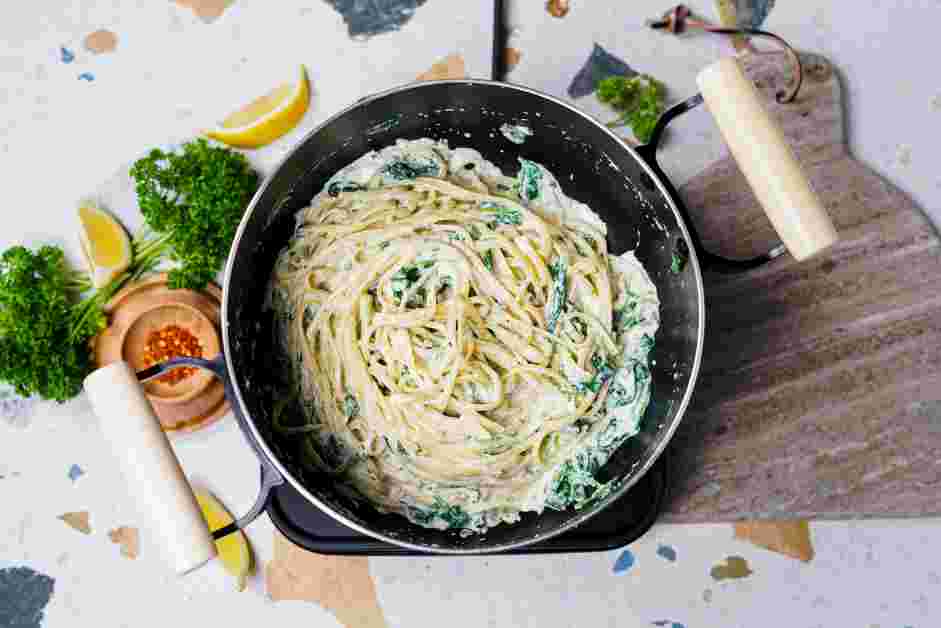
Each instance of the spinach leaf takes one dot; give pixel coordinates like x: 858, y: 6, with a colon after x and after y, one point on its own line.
x: 575, y: 484
x: 556, y: 304
x: 603, y: 372
x: 619, y: 395
x: 679, y: 257
x: 453, y: 516
x: 350, y: 406
x: 528, y: 180
x: 343, y: 185
x: 406, y: 277
x: 488, y: 259
x: 627, y: 316
x: 409, y: 169
x: 502, y: 215
x: 310, y: 311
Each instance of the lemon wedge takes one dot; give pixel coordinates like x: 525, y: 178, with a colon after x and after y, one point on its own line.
x: 233, y: 549
x: 267, y: 118
x: 105, y: 243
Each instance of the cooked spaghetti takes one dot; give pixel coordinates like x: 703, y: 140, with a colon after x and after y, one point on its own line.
x: 462, y: 347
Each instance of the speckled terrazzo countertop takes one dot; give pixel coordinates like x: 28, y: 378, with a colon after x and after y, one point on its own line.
x: 73, y: 552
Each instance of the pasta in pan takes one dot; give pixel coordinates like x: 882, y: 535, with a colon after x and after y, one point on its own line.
x: 462, y: 346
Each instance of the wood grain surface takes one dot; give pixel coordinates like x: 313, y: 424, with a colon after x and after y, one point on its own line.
x: 341, y: 584
x: 820, y: 389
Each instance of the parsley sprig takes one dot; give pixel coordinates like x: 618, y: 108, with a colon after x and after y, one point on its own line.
x: 638, y: 101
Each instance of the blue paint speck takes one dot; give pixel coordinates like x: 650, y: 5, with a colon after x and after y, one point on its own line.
x: 24, y: 594
x: 14, y: 409
x: 600, y: 65
x: 66, y: 55
x: 752, y: 13
x: 365, y: 19
x: 75, y: 472
x: 624, y: 562
x: 668, y: 623
x: 86, y: 76
x: 666, y: 552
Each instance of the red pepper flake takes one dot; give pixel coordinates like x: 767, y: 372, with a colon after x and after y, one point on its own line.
x: 169, y: 342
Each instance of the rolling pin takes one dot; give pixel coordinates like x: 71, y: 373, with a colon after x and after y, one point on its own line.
x: 757, y: 143
x: 163, y: 494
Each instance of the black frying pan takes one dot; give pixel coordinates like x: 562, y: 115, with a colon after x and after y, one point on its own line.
x: 625, y: 186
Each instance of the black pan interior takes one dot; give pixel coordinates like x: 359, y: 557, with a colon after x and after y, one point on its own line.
x: 591, y: 165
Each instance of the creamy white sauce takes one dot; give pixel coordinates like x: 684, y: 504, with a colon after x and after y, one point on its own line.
x: 636, y: 318
x: 539, y: 187
x: 516, y: 133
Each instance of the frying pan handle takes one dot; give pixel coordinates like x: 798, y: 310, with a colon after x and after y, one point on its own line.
x: 708, y: 259
x: 270, y: 476
x: 150, y: 465
x: 757, y: 143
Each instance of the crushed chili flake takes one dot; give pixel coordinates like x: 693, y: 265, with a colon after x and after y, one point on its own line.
x: 169, y: 342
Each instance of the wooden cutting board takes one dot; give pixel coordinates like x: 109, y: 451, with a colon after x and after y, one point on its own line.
x: 820, y: 389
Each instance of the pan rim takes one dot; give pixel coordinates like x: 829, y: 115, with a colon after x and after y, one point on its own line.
x: 260, y: 445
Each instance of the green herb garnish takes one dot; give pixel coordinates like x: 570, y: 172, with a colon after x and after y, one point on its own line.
x: 528, y: 180
x: 336, y: 187
x: 409, y: 169
x: 603, y: 372
x: 44, y: 328
x: 488, y: 259
x: 406, y: 277
x: 619, y: 396
x: 501, y: 215
x: 556, y: 303
x: 39, y: 354
x: 575, y: 484
x: 197, y: 197
x: 453, y: 516
x: 309, y: 314
x: 679, y: 257
x: 627, y: 317
x: 638, y: 101
x: 350, y: 406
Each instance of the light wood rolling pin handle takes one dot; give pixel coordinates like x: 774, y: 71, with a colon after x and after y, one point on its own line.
x: 757, y: 143
x: 150, y: 467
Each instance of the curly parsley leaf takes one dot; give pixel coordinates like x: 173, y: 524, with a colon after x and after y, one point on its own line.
x: 197, y: 197
x: 638, y: 101
x: 42, y: 351
x: 45, y: 330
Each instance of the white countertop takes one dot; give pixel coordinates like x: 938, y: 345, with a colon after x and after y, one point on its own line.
x: 173, y: 74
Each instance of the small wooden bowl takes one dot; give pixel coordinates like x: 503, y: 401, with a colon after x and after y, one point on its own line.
x: 176, y: 418
x: 135, y: 339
